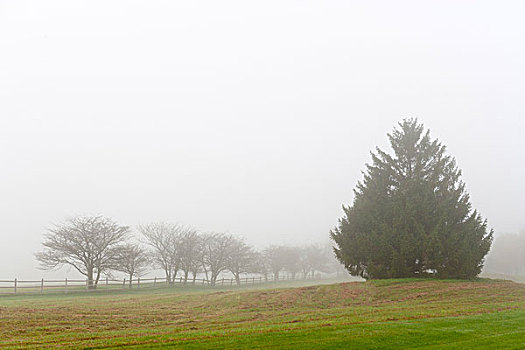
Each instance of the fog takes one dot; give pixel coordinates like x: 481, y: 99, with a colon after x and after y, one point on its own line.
x: 507, y: 257
x: 250, y: 118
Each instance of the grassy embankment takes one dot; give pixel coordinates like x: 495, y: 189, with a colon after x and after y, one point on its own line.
x: 389, y: 314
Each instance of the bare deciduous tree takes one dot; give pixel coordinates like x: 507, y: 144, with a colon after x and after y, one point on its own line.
x: 164, y: 238
x: 305, y: 261
x: 316, y: 258
x: 216, y: 251
x: 292, y: 260
x: 261, y: 264
x: 88, y: 243
x: 131, y: 259
x: 241, y: 259
x: 191, y: 253
x: 197, y: 264
x: 276, y: 259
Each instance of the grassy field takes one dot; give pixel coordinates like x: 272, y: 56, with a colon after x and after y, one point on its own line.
x: 389, y: 314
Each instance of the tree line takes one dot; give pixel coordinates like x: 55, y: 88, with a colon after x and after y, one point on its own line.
x: 96, y: 245
x: 507, y: 255
x: 411, y: 216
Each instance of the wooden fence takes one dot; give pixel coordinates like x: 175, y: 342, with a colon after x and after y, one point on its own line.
x: 107, y: 284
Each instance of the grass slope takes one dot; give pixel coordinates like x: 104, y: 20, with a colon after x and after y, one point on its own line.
x: 389, y: 314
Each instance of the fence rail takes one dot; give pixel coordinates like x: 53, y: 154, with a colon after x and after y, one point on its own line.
x: 107, y: 284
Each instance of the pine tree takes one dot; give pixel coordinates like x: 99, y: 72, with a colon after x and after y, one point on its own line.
x: 411, y: 215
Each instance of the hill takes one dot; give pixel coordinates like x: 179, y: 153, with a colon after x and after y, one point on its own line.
x: 393, y: 314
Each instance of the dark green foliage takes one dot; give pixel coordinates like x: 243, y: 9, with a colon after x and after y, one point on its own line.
x: 411, y: 214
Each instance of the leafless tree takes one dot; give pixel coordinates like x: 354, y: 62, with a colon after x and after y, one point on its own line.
x: 241, y: 259
x: 292, y: 260
x: 216, y: 251
x: 191, y: 253
x: 305, y: 261
x: 165, y: 238
x: 315, y: 257
x: 132, y: 260
x: 261, y: 264
x: 197, y: 264
x: 276, y: 259
x: 88, y: 243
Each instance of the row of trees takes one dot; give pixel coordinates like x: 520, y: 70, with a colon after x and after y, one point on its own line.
x: 97, y: 245
x: 411, y: 216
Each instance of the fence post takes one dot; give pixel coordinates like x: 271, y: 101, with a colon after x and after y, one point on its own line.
x: 87, y: 284
x: 124, y: 283
x: 65, y: 289
x: 155, y: 282
x: 107, y: 283
x: 42, y: 286
x: 138, y: 282
x: 15, y: 284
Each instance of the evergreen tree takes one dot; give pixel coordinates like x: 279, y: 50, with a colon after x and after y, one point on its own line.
x: 411, y: 214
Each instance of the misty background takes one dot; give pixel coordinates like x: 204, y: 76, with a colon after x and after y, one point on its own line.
x: 250, y: 118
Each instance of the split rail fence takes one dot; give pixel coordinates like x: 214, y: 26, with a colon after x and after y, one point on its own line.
x: 107, y: 284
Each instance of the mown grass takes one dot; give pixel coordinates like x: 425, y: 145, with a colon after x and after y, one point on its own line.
x: 389, y: 314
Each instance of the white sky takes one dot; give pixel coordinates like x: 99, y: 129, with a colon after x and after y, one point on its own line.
x: 250, y: 117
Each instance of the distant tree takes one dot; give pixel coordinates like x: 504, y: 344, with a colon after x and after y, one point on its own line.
x: 292, y: 262
x: 217, y: 248
x: 305, y: 262
x: 314, y: 257
x: 319, y: 255
x: 411, y: 214
x: 131, y: 259
x: 276, y: 257
x: 191, y: 253
x: 241, y: 259
x: 165, y: 239
x: 87, y: 243
x: 196, y: 265
x: 261, y: 264
x: 507, y: 255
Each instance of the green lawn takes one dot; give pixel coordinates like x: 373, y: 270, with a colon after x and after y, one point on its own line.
x: 388, y: 314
